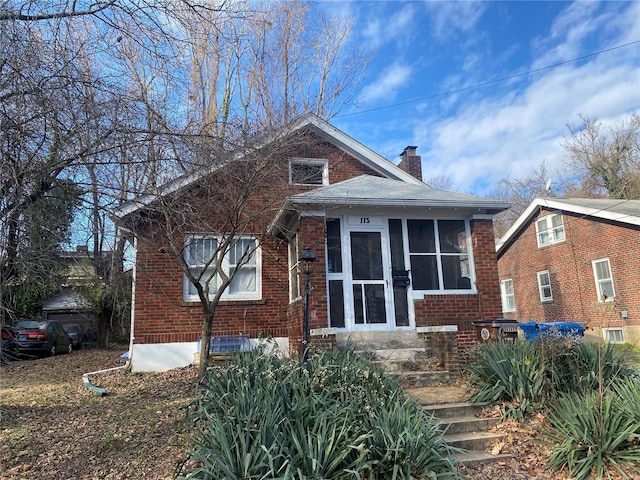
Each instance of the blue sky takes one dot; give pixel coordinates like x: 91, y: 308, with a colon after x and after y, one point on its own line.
x: 430, y: 56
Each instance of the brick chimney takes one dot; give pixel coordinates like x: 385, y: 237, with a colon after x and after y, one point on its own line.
x: 411, y: 163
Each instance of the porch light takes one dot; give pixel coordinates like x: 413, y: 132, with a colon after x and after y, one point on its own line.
x: 307, y: 257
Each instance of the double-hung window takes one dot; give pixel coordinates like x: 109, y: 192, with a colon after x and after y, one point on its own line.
x: 241, y: 262
x: 604, y: 280
x: 439, y: 254
x: 550, y: 229
x: 544, y: 286
x: 508, y: 295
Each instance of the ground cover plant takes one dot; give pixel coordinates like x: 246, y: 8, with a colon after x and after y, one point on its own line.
x: 588, y: 392
x: 334, y: 417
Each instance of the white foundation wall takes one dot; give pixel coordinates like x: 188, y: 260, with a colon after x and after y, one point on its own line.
x: 160, y: 357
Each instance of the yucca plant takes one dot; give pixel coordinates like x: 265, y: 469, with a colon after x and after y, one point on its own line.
x: 509, y: 372
x: 405, y: 444
x: 594, y: 434
x: 335, y: 417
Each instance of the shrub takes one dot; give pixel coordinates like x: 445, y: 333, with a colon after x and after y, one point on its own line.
x: 335, y: 417
x: 509, y: 372
x: 595, y: 433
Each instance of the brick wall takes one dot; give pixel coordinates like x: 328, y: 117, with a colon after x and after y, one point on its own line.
x: 571, y: 273
x: 161, y: 315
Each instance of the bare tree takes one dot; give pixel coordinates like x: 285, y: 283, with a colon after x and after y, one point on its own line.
x: 606, y: 161
x: 520, y: 192
x: 124, y: 96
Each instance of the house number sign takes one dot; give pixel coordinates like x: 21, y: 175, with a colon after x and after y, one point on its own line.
x: 364, y: 221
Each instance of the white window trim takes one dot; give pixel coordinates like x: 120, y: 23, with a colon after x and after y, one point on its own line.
x: 550, y: 229
x: 294, y: 274
x: 605, y: 334
x: 226, y: 296
x: 541, y: 286
x: 504, y: 296
x: 310, y: 161
x: 597, y: 280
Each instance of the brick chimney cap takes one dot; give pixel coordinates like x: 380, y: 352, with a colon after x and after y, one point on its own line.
x: 409, y: 150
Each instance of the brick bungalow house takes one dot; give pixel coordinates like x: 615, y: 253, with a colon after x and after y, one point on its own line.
x: 395, y: 258
x: 578, y: 260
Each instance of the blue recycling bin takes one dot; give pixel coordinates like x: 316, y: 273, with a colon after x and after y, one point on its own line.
x: 533, y: 330
x: 530, y: 330
x: 565, y: 329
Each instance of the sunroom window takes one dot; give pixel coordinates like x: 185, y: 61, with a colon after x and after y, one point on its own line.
x: 439, y: 254
x: 242, y: 262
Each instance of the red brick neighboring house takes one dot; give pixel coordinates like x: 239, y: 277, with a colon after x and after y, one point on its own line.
x: 578, y: 260
x: 393, y: 256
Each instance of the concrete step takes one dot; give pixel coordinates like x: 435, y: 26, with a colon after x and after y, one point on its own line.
x: 452, y: 410
x: 383, y: 340
x: 466, y: 430
x: 473, y: 441
x: 413, y: 379
x: 470, y: 459
x: 468, y: 424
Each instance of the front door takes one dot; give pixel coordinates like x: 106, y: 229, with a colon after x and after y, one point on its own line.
x: 373, y: 298
x: 369, y: 282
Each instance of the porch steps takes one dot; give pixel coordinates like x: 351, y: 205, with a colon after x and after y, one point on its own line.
x: 401, y: 354
x: 466, y: 430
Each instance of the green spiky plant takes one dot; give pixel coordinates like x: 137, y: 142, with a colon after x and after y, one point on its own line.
x: 596, y: 433
x: 509, y: 372
x: 335, y: 417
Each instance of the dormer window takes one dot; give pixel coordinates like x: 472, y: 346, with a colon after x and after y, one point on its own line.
x: 308, y: 171
x: 550, y: 229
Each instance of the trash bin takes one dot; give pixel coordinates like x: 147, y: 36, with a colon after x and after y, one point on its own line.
x: 564, y: 329
x: 496, y: 329
x: 534, y: 330
x: 530, y: 330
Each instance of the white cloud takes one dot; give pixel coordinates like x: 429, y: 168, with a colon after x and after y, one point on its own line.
x: 387, y: 84
x: 381, y: 29
x: 496, y: 138
x: 449, y: 18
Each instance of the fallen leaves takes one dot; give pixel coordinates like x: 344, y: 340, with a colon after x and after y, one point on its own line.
x: 54, y: 428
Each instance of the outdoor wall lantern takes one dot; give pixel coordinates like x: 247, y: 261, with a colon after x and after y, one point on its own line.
x: 307, y: 257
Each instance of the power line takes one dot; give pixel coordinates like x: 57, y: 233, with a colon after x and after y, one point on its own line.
x: 490, y: 82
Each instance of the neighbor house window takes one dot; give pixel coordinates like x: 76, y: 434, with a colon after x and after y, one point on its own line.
x: 604, y: 281
x: 242, y: 262
x: 294, y: 278
x: 508, y: 296
x: 544, y: 286
x: 308, y: 171
x: 613, y: 335
x: 550, y: 229
x: 439, y: 254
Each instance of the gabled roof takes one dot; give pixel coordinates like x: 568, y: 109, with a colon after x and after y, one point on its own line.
x: 623, y: 211
x: 323, y: 129
x: 371, y: 191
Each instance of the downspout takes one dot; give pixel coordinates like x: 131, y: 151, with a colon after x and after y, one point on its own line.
x: 85, y: 377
